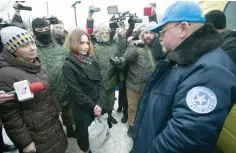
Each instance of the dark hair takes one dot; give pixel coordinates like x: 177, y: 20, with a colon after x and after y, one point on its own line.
x: 217, y: 18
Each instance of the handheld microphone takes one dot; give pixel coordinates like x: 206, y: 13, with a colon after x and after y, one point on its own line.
x: 34, y: 87
x: 25, y: 91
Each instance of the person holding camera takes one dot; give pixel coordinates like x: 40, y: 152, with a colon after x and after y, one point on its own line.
x: 53, y: 57
x: 33, y: 125
x: 141, y: 64
x: 105, y: 48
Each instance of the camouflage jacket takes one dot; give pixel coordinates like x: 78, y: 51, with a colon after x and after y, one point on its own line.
x: 104, y: 51
x: 141, y: 64
x: 53, y: 57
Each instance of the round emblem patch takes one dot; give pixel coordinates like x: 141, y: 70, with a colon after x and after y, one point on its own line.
x: 201, y: 100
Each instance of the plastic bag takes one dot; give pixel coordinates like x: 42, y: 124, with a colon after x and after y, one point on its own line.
x: 99, y: 133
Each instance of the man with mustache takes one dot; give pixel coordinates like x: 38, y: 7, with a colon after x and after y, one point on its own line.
x: 141, y: 64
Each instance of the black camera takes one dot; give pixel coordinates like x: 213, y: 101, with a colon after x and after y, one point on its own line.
x: 52, y: 20
x: 134, y: 19
x: 117, y: 17
x: 94, y: 9
x: 19, y: 6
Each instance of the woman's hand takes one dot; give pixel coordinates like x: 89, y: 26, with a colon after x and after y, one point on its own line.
x: 97, y: 111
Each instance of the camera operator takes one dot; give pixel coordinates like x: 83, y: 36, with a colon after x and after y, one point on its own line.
x: 53, y: 57
x: 17, y: 19
x: 105, y: 48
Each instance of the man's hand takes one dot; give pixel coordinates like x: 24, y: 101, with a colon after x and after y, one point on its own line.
x: 5, y: 97
x: 97, y: 111
x: 90, y: 13
x: 115, y: 61
x: 30, y: 148
x: 130, y: 39
x: 120, y: 32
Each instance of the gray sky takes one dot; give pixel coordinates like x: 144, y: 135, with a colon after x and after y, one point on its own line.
x: 62, y: 9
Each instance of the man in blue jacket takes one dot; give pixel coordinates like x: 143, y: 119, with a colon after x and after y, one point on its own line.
x: 190, y: 93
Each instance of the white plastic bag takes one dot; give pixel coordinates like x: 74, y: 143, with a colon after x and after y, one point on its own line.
x: 99, y: 133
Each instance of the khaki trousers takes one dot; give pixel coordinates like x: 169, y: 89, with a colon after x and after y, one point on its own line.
x: 133, y: 99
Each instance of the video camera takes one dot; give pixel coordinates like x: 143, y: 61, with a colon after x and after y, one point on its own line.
x: 19, y: 6
x: 93, y: 9
x: 133, y: 18
x: 120, y: 17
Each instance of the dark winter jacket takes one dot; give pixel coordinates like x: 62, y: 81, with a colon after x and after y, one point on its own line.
x: 34, y: 120
x: 188, y: 97
x: 86, y: 91
x: 229, y: 44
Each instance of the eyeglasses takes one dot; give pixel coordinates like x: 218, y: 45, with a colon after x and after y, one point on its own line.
x: 162, y: 32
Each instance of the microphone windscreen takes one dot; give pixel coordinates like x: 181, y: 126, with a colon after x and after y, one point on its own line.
x: 147, y: 11
x: 36, y: 87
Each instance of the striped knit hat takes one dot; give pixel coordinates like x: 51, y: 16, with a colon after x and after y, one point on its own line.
x: 14, y: 37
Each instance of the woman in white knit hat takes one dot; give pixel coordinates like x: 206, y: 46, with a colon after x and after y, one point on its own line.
x: 32, y: 125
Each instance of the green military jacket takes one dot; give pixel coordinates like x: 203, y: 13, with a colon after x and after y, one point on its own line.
x: 53, y: 57
x: 141, y: 64
x: 103, y: 53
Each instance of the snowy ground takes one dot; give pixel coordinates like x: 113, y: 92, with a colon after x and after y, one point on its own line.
x: 118, y: 143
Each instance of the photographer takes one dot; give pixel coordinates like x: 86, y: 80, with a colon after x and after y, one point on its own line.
x: 105, y: 48
x: 17, y: 19
x: 53, y: 57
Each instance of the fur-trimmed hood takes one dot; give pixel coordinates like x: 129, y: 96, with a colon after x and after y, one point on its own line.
x: 203, y: 40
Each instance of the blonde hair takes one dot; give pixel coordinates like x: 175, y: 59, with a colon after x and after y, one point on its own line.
x: 72, y: 42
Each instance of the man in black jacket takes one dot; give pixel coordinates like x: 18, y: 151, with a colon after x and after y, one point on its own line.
x: 218, y: 19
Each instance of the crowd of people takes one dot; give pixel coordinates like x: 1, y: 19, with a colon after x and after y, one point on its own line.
x: 176, y: 79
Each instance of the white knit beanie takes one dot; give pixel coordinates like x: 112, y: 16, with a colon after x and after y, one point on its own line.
x: 14, y: 37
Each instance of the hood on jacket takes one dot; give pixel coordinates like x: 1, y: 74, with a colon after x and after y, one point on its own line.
x: 7, y: 59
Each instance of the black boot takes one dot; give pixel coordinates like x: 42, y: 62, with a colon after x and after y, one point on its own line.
x: 124, y: 118
x: 119, y: 109
x: 70, y: 131
x: 9, y: 148
x: 109, y: 123
x: 111, y: 118
x: 130, y: 131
